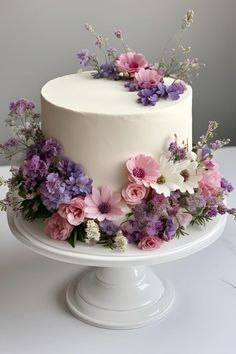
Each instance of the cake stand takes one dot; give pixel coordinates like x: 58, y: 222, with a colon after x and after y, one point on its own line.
x: 119, y: 291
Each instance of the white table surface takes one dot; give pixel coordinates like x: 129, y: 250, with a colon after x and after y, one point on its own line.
x: 34, y: 318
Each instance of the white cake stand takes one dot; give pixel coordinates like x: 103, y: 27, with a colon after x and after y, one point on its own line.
x: 118, y: 291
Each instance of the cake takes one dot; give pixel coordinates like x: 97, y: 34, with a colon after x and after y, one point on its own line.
x: 100, y: 124
x: 112, y: 160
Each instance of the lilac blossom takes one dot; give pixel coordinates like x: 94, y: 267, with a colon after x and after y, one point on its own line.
x: 148, y: 97
x: 170, y: 230
x: 107, y: 71
x: 78, y: 184
x: 131, y: 85
x: 175, y: 90
x: 226, y: 185
x: 20, y: 106
x: 33, y: 171
x: 131, y: 231
x: 212, y: 211
x: 66, y: 167
x: 111, y: 52
x: 46, y: 149
x: 53, y: 192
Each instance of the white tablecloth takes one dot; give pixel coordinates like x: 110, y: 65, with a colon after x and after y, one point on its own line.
x: 34, y: 318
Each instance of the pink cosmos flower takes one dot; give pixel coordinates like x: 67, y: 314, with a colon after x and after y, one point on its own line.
x: 131, y: 62
x: 103, y: 204
x: 148, y: 243
x: 73, y: 211
x: 58, y: 227
x: 147, y: 78
x: 134, y: 193
x: 210, y: 183
x: 143, y: 169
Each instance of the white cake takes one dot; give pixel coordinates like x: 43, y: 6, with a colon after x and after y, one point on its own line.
x: 100, y: 124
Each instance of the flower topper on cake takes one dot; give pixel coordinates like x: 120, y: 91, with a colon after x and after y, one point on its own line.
x: 140, y: 75
x: 162, y: 196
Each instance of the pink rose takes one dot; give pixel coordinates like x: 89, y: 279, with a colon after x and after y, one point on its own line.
x: 131, y: 62
x: 73, y: 211
x: 210, y: 183
x: 58, y: 227
x: 147, y: 78
x: 134, y: 193
x: 148, y: 243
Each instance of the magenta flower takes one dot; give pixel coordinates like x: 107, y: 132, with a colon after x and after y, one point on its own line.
x: 143, y: 169
x: 148, y: 243
x: 147, y: 78
x: 131, y: 62
x: 58, y: 227
x: 103, y: 204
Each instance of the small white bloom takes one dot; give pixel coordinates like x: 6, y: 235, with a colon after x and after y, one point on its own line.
x: 170, y: 178
x: 121, y: 241
x: 190, y: 155
x: 191, y: 173
x: 92, y: 232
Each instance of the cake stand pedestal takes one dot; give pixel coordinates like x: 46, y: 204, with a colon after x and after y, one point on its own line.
x: 119, y: 291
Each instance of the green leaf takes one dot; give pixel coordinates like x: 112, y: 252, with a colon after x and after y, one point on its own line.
x: 73, y: 237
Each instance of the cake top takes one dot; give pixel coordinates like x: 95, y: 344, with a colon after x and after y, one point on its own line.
x: 80, y: 92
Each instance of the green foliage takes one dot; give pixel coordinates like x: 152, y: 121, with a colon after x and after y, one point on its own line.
x: 180, y: 232
x: 78, y: 234
x: 34, y: 209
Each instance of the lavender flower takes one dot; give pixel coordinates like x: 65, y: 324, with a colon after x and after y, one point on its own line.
x: 147, y: 97
x: 153, y: 227
x: 175, y: 90
x: 78, y: 184
x: 107, y: 71
x: 20, y: 106
x: 131, y: 85
x: 169, y: 232
x: 66, y: 167
x: 226, y: 185
x: 53, y: 192
x: 205, y: 151
x: 131, y: 231
x: 46, y: 149
x: 111, y: 52
x: 212, y: 211
x: 108, y: 227
x: 177, y: 152
x: 84, y: 57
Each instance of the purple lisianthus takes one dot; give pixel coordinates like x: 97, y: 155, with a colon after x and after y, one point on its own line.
x: 84, y: 57
x: 148, y: 97
x: 226, y: 185
x: 108, y: 227
x: 169, y: 231
x: 66, y: 167
x: 33, y: 171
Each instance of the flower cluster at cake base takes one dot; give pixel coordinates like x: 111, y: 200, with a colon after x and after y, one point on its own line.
x: 162, y: 197
x: 139, y: 74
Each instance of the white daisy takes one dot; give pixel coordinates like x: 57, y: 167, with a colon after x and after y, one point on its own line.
x: 191, y: 173
x: 170, y: 178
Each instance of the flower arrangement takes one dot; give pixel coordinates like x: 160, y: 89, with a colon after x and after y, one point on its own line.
x: 140, y: 75
x: 164, y: 194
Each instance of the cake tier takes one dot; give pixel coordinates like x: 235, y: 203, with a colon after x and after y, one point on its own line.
x: 100, y: 124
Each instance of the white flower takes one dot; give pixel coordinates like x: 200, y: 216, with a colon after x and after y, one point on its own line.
x: 170, y: 178
x: 191, y: 174
x: 120, y: 241
x: 92, y: 232
x: 190, y: 155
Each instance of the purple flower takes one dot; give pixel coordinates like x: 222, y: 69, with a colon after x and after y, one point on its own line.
x: 178, y: 152
x: 226, y: 185
x: 46, y: 149
x: 111, y: 52
x: 205, y: 151
x: 108, y: 227
x: 67, y: 167
x: 216, y: 145
x: 152, y: 228
x: 78, y: 184
x: 131, y: 85
x: 118, y: 34
x: 10, y: 143
x: 161, y: 90
x: 131, y: 231
x: 175, y: 90
x: 148, y: 97
x: 107, y: 71
x: 222, y: 209
x: 84, y: 57
x: 53, y: 192
x: 33, y: 171
x: 212, y: 211
x: 20, y: 106
x: 169, y: 232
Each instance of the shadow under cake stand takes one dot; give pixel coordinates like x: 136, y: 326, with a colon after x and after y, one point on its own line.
x: 119, y: 291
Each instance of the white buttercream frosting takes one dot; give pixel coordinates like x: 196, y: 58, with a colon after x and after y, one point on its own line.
x: 100, y: 124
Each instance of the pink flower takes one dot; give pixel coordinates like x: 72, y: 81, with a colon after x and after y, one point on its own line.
x: 148, y: 243
x: 73, y: 211
x: 134, y: 193
x: 131, y: 62
x: 143, y: 169
x: 58, y: 227
x: 147, y: 78
x: 210, y: 183
x: 103, y: 204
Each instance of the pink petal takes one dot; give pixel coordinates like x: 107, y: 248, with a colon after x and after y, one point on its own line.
x: 106, y: 194
x: 89, y: 201
x: 96, y: 196
x: 115, y: 198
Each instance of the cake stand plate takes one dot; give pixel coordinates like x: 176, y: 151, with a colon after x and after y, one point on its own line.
x: 119, y: 291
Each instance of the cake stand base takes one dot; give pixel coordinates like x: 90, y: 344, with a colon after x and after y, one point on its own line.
x: 119, y: 298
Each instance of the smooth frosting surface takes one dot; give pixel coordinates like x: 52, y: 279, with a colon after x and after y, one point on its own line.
x: 100, y: 124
